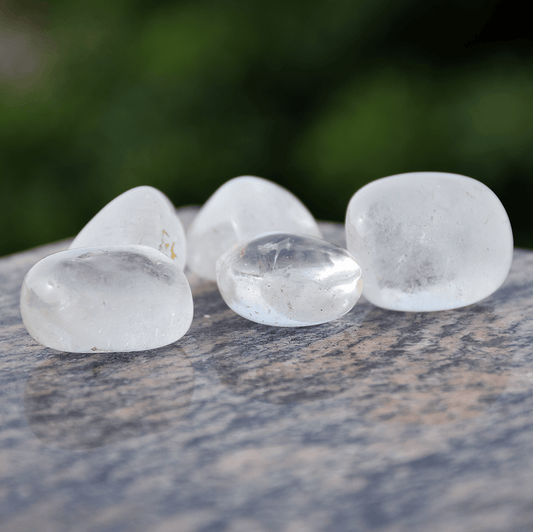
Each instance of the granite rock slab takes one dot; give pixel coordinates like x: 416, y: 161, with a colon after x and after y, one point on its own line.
x: 378, y: 421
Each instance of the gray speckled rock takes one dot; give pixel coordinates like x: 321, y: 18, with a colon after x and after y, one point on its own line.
x: 112, y: 409
x: 378, y: 421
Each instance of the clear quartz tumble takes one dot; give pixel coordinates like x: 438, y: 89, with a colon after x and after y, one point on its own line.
x: 141, y: 216
x: 239, y: 210
x: 289, y: 280
x: 429, y: 241
x: 108, y: 298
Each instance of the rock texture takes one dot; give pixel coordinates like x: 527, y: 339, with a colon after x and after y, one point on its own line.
x: 378, y: 421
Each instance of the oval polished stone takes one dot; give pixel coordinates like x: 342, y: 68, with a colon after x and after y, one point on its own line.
x: 238, y: 211
x: 141, y: 216
x: 289, y: 280
x: 112, y: 298
x: 429, y: 241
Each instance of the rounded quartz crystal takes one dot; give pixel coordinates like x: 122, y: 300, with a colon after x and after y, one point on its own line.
x: 112, y: 298
x: 289, y: 280
x: 238, y: 211
x: 141, y: 216
x: 429, y: 241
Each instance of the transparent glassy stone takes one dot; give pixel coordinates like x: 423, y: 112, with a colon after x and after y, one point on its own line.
x: 142, y: 216
x: 289, y: 280
x: 238, y: 211
x: 112, y: 298
x: 429, y: 241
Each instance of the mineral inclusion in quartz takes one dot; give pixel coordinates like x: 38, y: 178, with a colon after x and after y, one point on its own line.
x: 106, y: 298
x: 238, y: 211
x: 429, y: 241
x: 142, y: 216
x: 289, y: 280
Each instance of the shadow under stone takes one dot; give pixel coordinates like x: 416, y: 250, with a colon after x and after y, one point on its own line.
x: 275, y: 364
x: 83, y: 401
x: 426, y: 367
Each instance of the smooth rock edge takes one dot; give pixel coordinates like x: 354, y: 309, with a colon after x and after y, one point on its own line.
x: 140, y: 216
x: 288, y: 280
x: 444, y: 241
x: 111, y: 298
x: 239, y: 210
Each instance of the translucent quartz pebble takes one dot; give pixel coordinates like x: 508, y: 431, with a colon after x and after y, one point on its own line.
x: 238, y: 211
x: 429, y: 241
x: 142, y: 216
x: 112, y: 298
x: 289, y: 280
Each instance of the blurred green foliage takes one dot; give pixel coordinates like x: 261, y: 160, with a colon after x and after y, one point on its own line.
x: 321, y: 97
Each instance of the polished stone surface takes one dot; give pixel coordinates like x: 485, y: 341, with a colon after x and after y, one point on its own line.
x: 106, y: 298
x: 288, y: 280
x: 378, y: 421
x: 238, y: 211
x: 429, y: 241
x: 141, y: 216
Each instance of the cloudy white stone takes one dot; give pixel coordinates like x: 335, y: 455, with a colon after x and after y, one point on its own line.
x: 429, y: 241
x: 289, y: 280
x: 238, y: 211
x: 141, y: 216
x: 108, y: 298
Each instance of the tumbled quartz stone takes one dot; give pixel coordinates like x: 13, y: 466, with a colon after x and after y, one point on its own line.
x: 429, y: 241
x: 239, y: 210
x: 289, y: 280
x: 143, y: 216
x: 109, y: 298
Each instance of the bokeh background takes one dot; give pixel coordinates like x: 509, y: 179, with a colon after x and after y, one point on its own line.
x: 320, y: 96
